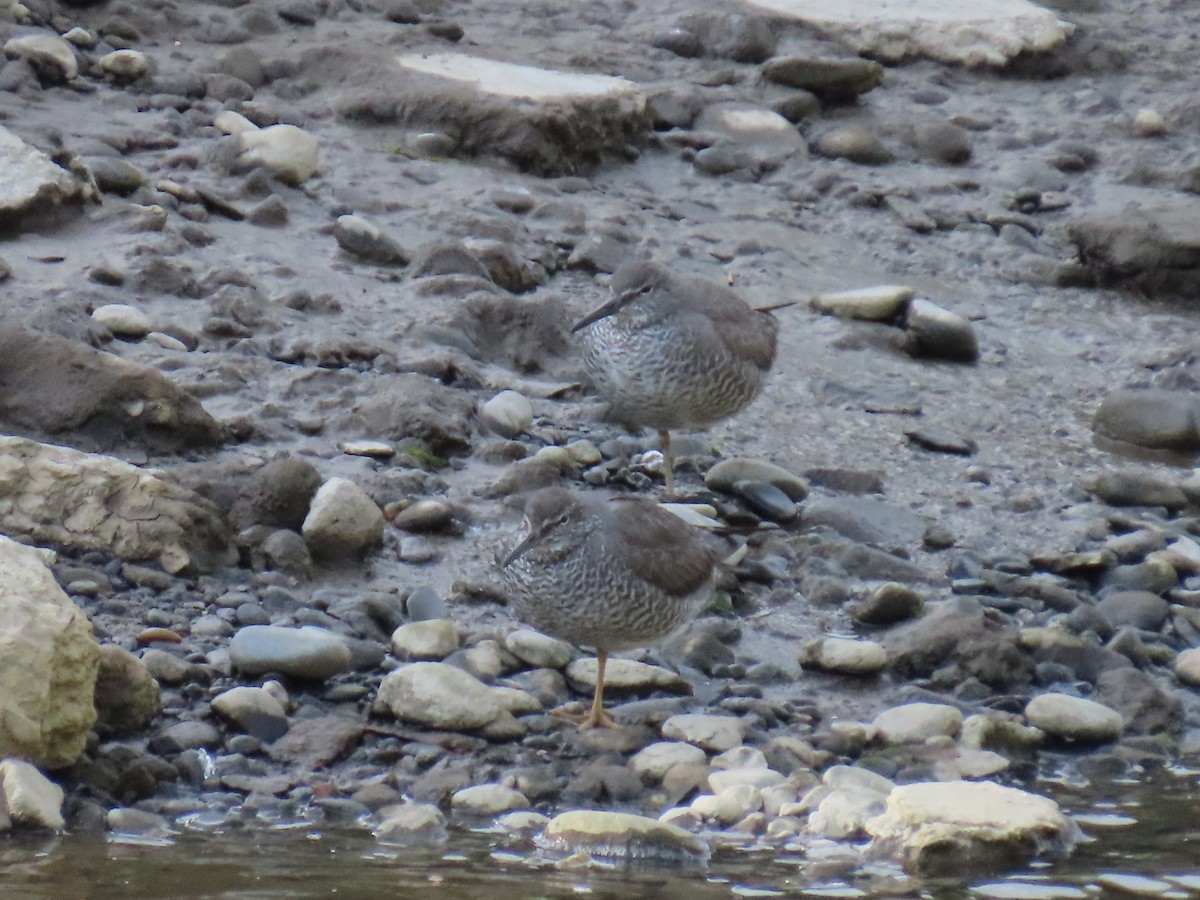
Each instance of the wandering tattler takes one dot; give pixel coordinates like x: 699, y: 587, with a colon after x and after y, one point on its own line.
x: 668, y: 351
x: 609, y: 573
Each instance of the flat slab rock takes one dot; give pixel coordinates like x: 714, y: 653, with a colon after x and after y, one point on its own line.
x: 546, y: 122
x: 980, y: 33
x: 31, y: 184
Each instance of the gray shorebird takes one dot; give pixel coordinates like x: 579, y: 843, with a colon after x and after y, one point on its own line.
x: 612, y: 574
x: 669, y: 352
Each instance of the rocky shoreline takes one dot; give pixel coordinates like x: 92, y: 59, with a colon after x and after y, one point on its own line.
x: 284, y: 339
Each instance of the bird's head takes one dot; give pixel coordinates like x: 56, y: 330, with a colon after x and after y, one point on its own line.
x: 627, y: 284
x: 546, y: 513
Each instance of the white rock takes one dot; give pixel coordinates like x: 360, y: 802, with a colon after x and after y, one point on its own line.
x: 523, y: 823
x: 843, y: 656
x: 882, y: 303
x: 1074, y: 718
x: 517, y: 701
x: 429, y: 639
x: 487, y: 800
x: 942, y: 826
x: 730, y: 805
x: 706, y: 731
x: 843, y: 813
x: 856, y: 777
x: 536, y: 649
x: 653, y: 761
x: 720, y: 779
x: 342, y: 520
x: 622, y: 836
x: 166, y: 341
x: 124, y: 65
x: 29, y: 796
x: 624, y: 676
x: 49, y: 54
x: 290, y: 153
x: 122, y: 321
x: 583, y: 453
x: 48, y: 663
x: 1149, y: 123
x: 229, y: 122
x: 30, y: 182
x: 519, y: 82
x: 982, y: 32
x: 508, y: 414
x: 742, y: 757
x: 252, y: 709
x: 438, y: 695
x: 375, y: 449
x: 765, y: 134
x: 915, y: 722
x: 80, y: 37
x: 775, y: 797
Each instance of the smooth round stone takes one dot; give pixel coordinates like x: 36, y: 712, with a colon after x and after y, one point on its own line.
x: 307, y: 653
x: 124, y: 65
x: 536, y: 649
x: 508, y: 414
x: 80, y: 37
x: 291, y: 153
x: 1149, y: 123
x: 363, y: 239
x: 426, y: 603
x: 1154, y: 418
x: 706, y: 731
x: 915, y: 722
x: 1187, y: 667
x: 487, y: 800
x: 517, y: 701
x: 1141, y: 609
x: 943, y: 142
x: 720, y: 779
x: 342, y: 520
x: 49, y: 54
x: 625, y: 676
x: 740, y: 758
x: 728, y: 473
x: 411, y: 825
x: 438, y: 695
x: 888, y: 604
x: 122, y: 321
x: 254, y: 710
x: 856, y: 777
x: 372, y: 449
x: 166, y: 341
x: 938, y: 333
x: 855, y: 143
x: 1074, y: 718
x: 428, y: 639
x: 554, y: 456
x: 752, y: 132
x: 653, y: 761
x: 843, y: 656
x: 424, y: 516
x: 882, y: 303
x: 137, y: 823
x: 830, y: 79
x: 1134, y: 885
x: 522, y: 823
x: 583, y: 453
x: 622, y: 836
x: 766, y: 500
x: 729, y: 805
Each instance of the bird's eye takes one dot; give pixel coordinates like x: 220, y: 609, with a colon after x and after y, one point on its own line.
x: 645, y: 288
x: 562, y: 520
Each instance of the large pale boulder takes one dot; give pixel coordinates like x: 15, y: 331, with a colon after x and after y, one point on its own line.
x: 48, y: 663
x: 949, y: 825
x: 31, y: 184
x: 81, y: 501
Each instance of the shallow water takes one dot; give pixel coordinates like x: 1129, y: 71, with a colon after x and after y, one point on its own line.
x: 1142, y: 840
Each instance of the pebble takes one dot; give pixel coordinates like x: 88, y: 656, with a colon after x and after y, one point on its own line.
x: 1154, y: 418
x: 740, y: 758
x: 254, y: 710
x: 1187, y: 666
x: 137, y: 823
x: 706, y: 731
x: 625, y: 676
x: 766, y: 500
x: 124, y: 66
x: 166, y: 341
x: 726, y: 475
x: 843, y: 656
x: 30, y: 798
x: 939, y: 333
x: 653, y: 761
x: 508, y: 414
x: 1131, y: 488
x: 856, y: 143
x: 1149, y: 123
x: 1074, y: 718
x: 523, y: 823
x: 308, y: 653
x: 425, y: 603
x: 888, y: 604
x: 122, y: 321
x: 373, y: 449
x: 536, y: 649
x: 1141, y: 609
x: 487, y: 800
x: 424, y: 516
x: 583, y: 453
x: 836, y: 80
x: 943, y: 142
x: 361, y: 238
x: 915, y: 722
x: 289, y: 152
x: 438, y: 695
x: 760, y: 778
x: 941, y: 440
x: 411, y: 825
x: 881, y: 303
x: 729, y: 805
x: 625, y: 836
x: 342, y: 520
x: 50, y: 56
x: 427, y: 639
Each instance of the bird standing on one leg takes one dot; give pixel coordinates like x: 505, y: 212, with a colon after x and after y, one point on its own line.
x: 613, y: 574
x: 670, y: 352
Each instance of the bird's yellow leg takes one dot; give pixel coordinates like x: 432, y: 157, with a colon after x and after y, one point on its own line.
x: 664, y: 444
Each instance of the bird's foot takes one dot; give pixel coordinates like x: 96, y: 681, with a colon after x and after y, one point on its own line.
x: 573, y: 712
